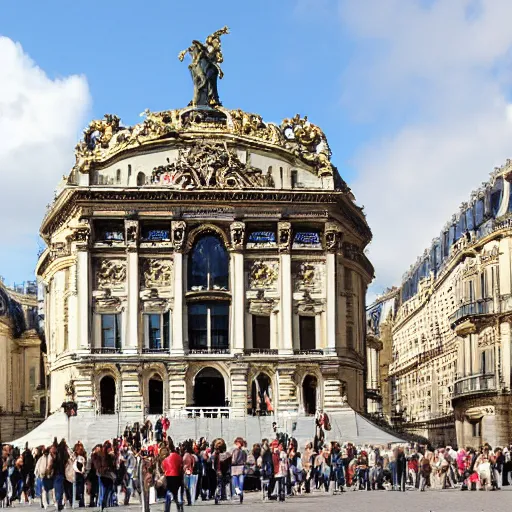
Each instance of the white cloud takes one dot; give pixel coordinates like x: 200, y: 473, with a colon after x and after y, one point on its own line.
x: 40, y: 121
x: 433, y: 78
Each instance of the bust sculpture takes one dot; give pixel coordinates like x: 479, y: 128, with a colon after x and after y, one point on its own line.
x: 205, y: 68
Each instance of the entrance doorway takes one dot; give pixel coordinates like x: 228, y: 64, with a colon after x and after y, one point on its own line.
x: 209, y: 389
x: 261, y: 393
x: 309, y: 392
x: 156, y: 395
x: 108, y: 395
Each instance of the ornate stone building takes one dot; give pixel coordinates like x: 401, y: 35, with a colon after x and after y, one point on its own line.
x: 451, y: 369
x: 22, y: 383
x: 205, y: 262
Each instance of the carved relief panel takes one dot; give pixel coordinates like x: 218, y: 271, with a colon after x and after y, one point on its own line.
x: 156, y: 273
x: 308, y: 276
x: 263, y: 275
x: 110, y: 273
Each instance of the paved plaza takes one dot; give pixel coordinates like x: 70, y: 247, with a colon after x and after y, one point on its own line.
x: 375, y: 501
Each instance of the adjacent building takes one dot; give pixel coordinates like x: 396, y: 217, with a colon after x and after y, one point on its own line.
x: 22, y: 374
x: 450, y: 377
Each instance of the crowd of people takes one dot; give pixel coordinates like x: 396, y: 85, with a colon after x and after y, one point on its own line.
x: 145, y: 463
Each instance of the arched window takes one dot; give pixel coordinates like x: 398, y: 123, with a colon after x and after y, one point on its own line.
x: 141, y: 179
x: 118, y: 176
x: 208, y: 265
x: 108, y: 395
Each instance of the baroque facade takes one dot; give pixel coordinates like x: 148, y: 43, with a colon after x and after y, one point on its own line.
x: 22, y: 374
x: 205, y: 262
x: 450, y: 377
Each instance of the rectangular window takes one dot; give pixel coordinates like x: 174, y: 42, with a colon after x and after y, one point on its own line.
x: 477, y: 428
x: 167, y: 327
x: 198, y: 326
x: 220, y: 326
x: 486, y: 362
x: 111, y: 331
x: 261, y: 332
x: 154, y: 331
x: 307, y: 332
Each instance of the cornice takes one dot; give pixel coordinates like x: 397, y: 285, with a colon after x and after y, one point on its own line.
x: 71, y: 198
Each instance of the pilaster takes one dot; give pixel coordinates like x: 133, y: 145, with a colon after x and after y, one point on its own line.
x: 285, y: 273
x: 331, y: 303
x: 239, y: 372
x: 287, y: 396
x: 131, y: 400
x: 505, y: 353
x: 178, y: 239
x: 177, y: 386
x: 237, y: 230
x: 83, y: 280
x: 132, y: 278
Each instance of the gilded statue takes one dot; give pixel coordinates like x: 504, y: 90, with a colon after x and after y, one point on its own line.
x: 205, y: 68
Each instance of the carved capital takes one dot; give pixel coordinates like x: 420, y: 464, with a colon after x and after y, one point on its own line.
x: 237, y: 231
x: 284, y: 236
x: 131, y: 233
x: 178, y: 228
x: 332, y: 237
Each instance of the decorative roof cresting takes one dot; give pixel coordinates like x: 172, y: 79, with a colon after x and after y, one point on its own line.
x: 205, y: 117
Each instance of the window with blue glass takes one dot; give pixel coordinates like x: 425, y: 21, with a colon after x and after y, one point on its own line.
x: 470, y: 221
x: 460, y: 227
x: 208, y: 265
x: 154, y: 326
x: 156, y: 234
x: 496, y: 194
x: 261, y: 237
x: 306, y: 239
x: 111, y: 331
x: 208, y: 326
x: 110, y: 231
x: 479, y: 212
x: 446, y: 244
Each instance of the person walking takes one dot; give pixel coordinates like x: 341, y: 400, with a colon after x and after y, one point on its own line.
x: 238, y: 461
x: 173, y: 469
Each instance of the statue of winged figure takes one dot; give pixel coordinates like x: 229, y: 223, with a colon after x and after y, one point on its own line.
x: 205, y: 68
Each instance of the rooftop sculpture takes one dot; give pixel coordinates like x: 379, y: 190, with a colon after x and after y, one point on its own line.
x: 205, y: 69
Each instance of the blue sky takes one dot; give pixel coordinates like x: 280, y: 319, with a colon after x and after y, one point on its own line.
x: 413, y: 97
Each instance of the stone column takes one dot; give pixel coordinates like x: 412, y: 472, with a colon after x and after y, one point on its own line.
x: 375, y: 368
x: 285, y: 272
x: 81, y: 236
x: 239, y: 372
x: 505, y: 353
x: 132, y: 287
x: 330, y: 303
x: 178, y: 238
x: 237, y: 230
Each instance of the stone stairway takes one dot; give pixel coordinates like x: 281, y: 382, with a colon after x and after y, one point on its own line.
x: 347, y: 425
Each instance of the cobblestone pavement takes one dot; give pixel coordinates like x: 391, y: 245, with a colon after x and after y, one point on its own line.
x: 360, y: 501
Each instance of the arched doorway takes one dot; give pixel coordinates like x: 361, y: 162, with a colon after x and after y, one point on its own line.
x: 108, y: 395
x: 309, y: 392
x: 156, y: 395
x: 261, y: 394
x: 209, y: 389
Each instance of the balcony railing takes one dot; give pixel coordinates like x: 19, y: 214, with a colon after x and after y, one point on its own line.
x: 479, y: 307
x: 207, y: 412
x: 105, y: 350
x: 261, y: 351
x: 210, y: 350
x: 147, y: 350
x: 308, y: 352
x: 475, y: 384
